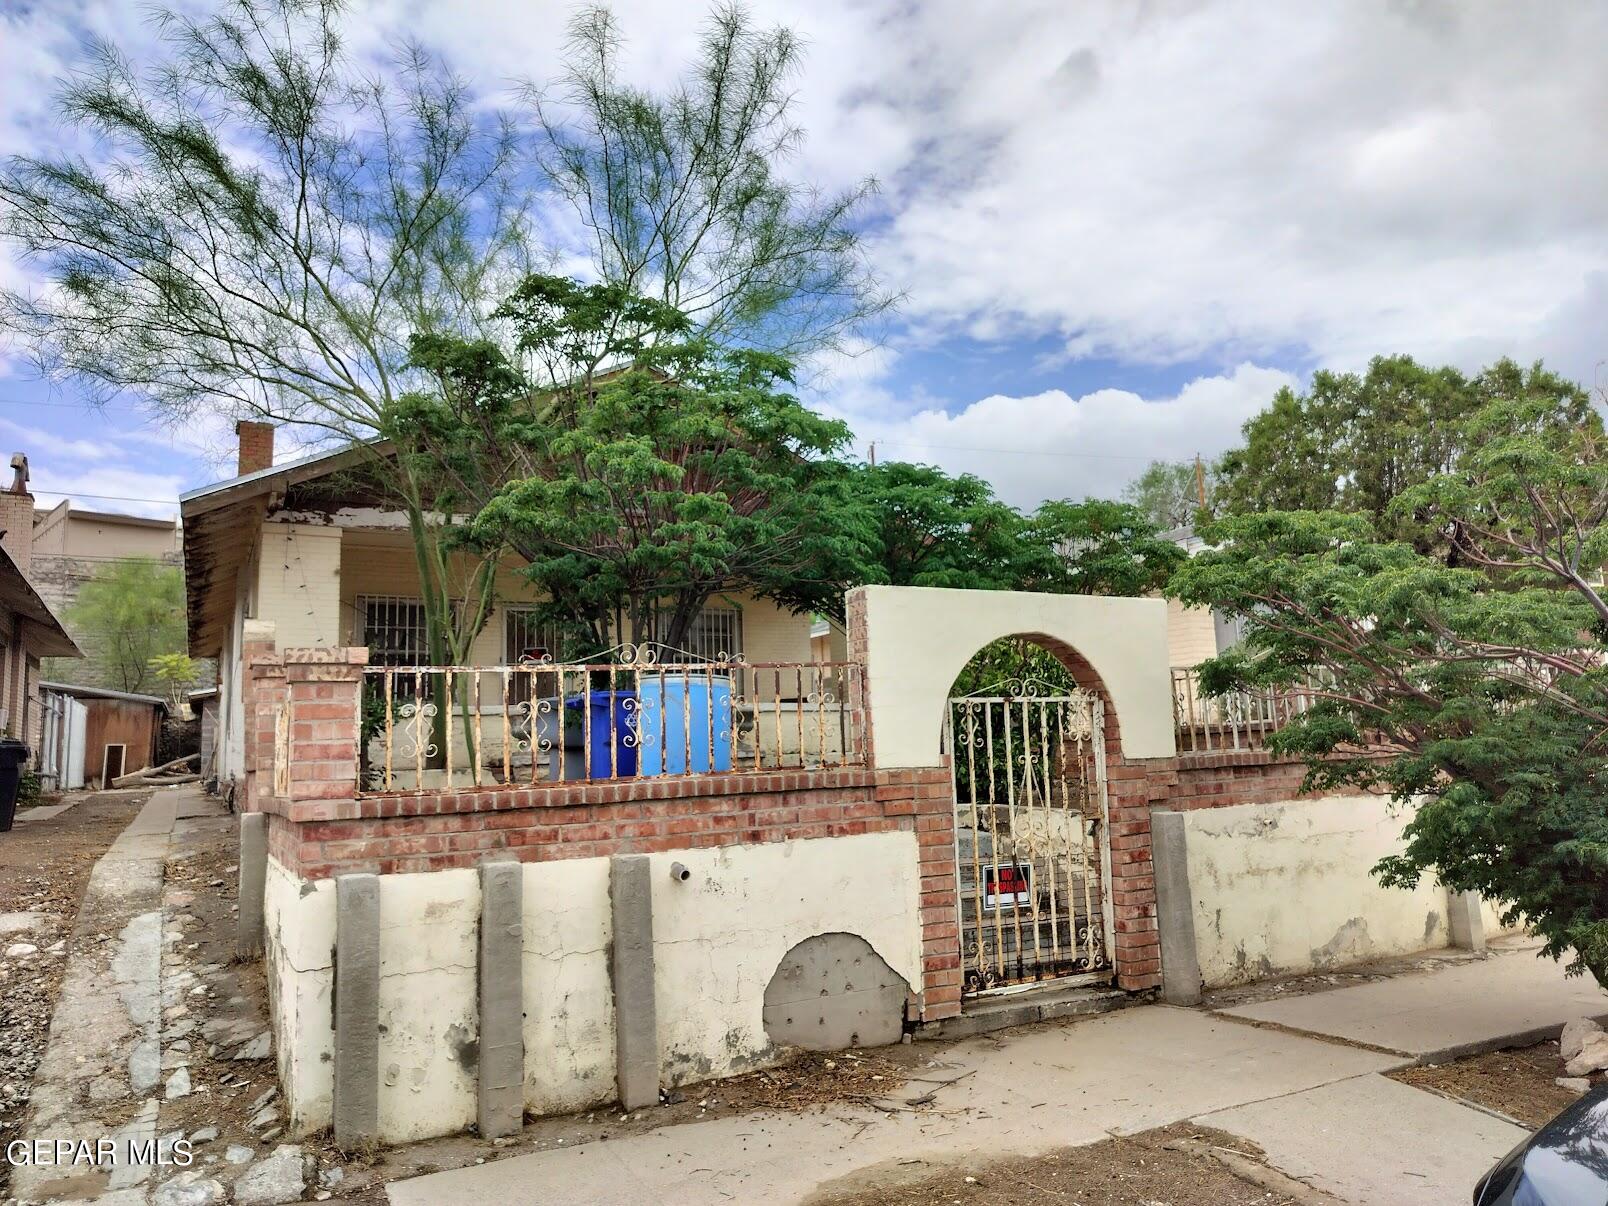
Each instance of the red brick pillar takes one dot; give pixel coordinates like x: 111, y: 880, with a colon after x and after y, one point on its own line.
x: 1131, y: 790
x: 262, y: 697
x: 325, y: 700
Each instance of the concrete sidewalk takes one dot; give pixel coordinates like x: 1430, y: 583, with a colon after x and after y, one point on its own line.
x: 1316, y: 1105
x: 1021, y: 1093
x: 1510, y: 999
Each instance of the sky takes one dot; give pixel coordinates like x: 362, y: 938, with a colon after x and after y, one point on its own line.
x: 1117, y: 229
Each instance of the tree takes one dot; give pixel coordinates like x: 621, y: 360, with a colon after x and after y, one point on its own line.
x: 651, y: 469
x: 269, y: 222
x: 1469, y: 687
x: 130, y: 613
x: 1167, y: 493
x: 175, y: 671
x: 684, y: 197
x: 1356, y: 443
x: 919, y: 526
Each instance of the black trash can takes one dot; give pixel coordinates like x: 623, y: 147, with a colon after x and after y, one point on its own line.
x: 12, y: 755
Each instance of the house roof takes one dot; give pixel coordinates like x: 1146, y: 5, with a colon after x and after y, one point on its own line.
x: 44, y: 632
x: 219, y: 525
x: 78, y: 691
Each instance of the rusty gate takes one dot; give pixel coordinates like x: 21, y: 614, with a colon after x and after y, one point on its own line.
x: 1032, y: 849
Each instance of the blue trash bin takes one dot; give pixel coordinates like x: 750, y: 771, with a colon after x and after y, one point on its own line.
x: 614, y: 720
x: 685, y: 722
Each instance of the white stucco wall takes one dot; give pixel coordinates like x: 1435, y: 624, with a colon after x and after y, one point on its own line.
x: 718, y: 938
x: 299, y: 583
x: 919, y: 638
x: 1288, y: 887
x: 299, y: 920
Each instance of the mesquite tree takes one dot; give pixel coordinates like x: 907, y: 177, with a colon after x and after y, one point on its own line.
x: 1468, y: 683
x: 264, y: 225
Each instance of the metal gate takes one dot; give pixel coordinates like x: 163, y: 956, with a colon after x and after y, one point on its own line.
x: 1031, y: 842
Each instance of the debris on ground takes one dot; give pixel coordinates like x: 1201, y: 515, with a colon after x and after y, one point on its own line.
x: 1181, y: 1165
x: 44, y: 868
x: 1521, y: 1084
x: 810, y: 1079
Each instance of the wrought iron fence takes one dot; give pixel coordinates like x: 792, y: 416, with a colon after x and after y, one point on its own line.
x: 1237, y: 720
x: 435, y: 728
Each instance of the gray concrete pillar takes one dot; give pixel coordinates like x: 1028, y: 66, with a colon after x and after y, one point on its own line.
x: 357, y: 1012
x: 1467, y: 922
x: 636, y: 1017
x: 253, y: 880
x: 1175, y: 909
x: 501, y: 1093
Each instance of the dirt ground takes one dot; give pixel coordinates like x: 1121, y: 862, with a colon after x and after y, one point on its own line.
x: 44, y: 866
x: 1518, y: 1084
x: 1179, y: 1165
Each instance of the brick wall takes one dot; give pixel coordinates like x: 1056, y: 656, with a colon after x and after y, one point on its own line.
x: 304, y: 708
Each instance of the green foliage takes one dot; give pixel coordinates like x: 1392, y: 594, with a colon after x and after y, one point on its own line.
x: 29, y: 790
x: 176, y: 671
x: 1356, y: 443
x: 922, y: 527
x: 130, y: 613
x: 684, y: 192
x: 648, y: 469
x: 1168, y: 494
x: 1471, y: 681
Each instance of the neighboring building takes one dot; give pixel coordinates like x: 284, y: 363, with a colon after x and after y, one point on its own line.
x: 120, y: 733
x: 1195, y: 633
x: 71, y: 546
x: 29, y: 630
x: 291, y: 544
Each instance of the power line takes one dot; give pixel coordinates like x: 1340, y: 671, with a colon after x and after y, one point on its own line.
x: 111, y: 497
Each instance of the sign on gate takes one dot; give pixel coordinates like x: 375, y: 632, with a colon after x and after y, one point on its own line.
x: 1030, y: 837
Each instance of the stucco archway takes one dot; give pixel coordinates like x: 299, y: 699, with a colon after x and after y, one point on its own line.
x: 914, y: 641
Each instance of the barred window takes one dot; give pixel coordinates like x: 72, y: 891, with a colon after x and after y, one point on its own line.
x: 526, y: 637
x: 393, y: 629
x: 716, y: 635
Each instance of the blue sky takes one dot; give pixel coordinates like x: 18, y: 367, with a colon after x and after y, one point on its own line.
x: 1118, y: 228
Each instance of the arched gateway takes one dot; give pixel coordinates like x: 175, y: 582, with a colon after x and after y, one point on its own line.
x: 1036, y: 896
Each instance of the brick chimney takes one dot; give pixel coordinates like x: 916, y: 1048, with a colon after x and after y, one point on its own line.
x: 17, y: 515
x: 256, y: 445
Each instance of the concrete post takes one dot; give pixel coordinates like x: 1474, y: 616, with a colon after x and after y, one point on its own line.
x: 357, y: 1012
x: 253, y: 881
x: 501, y: 1092
x: 636, y: 1018
x: 1466, y: 921
x: 1175, y: 909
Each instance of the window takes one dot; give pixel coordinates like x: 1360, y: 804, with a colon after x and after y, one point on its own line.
x: 526, y: 638
x: 716, y: 635
x: 393, y: 629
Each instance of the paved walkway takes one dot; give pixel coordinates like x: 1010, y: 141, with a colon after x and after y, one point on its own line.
x: 1318, y: 1107
x: 104, y: 1046
x: 1510, y: 999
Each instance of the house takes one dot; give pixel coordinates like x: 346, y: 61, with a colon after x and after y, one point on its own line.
x: 101, y: 734
x: 302, y: 546
x: 29, y: 629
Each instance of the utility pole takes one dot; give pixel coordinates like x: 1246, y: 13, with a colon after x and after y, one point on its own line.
x: 1200, y: 480
x: 873, y: 454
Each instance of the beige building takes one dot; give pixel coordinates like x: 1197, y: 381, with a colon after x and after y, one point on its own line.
x: 70, y: 546
x: 29, y: 629
x: 288, y: 545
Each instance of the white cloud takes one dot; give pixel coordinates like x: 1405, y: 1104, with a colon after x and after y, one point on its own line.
x: 127, y: 491
x: 1086, y: 446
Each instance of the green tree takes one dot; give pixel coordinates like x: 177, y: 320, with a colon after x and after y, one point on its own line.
x: 650, y: 469
x: 1358, y: 442
x: 268, y: 220
x: 1097, y: 547
x: 1167, y: 493
x: 125, y: 617
x: 1470, y: 688
x: 685, y: 195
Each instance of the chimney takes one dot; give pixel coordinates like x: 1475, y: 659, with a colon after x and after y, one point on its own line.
x: 17, y: 516
x: 256, y: 446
